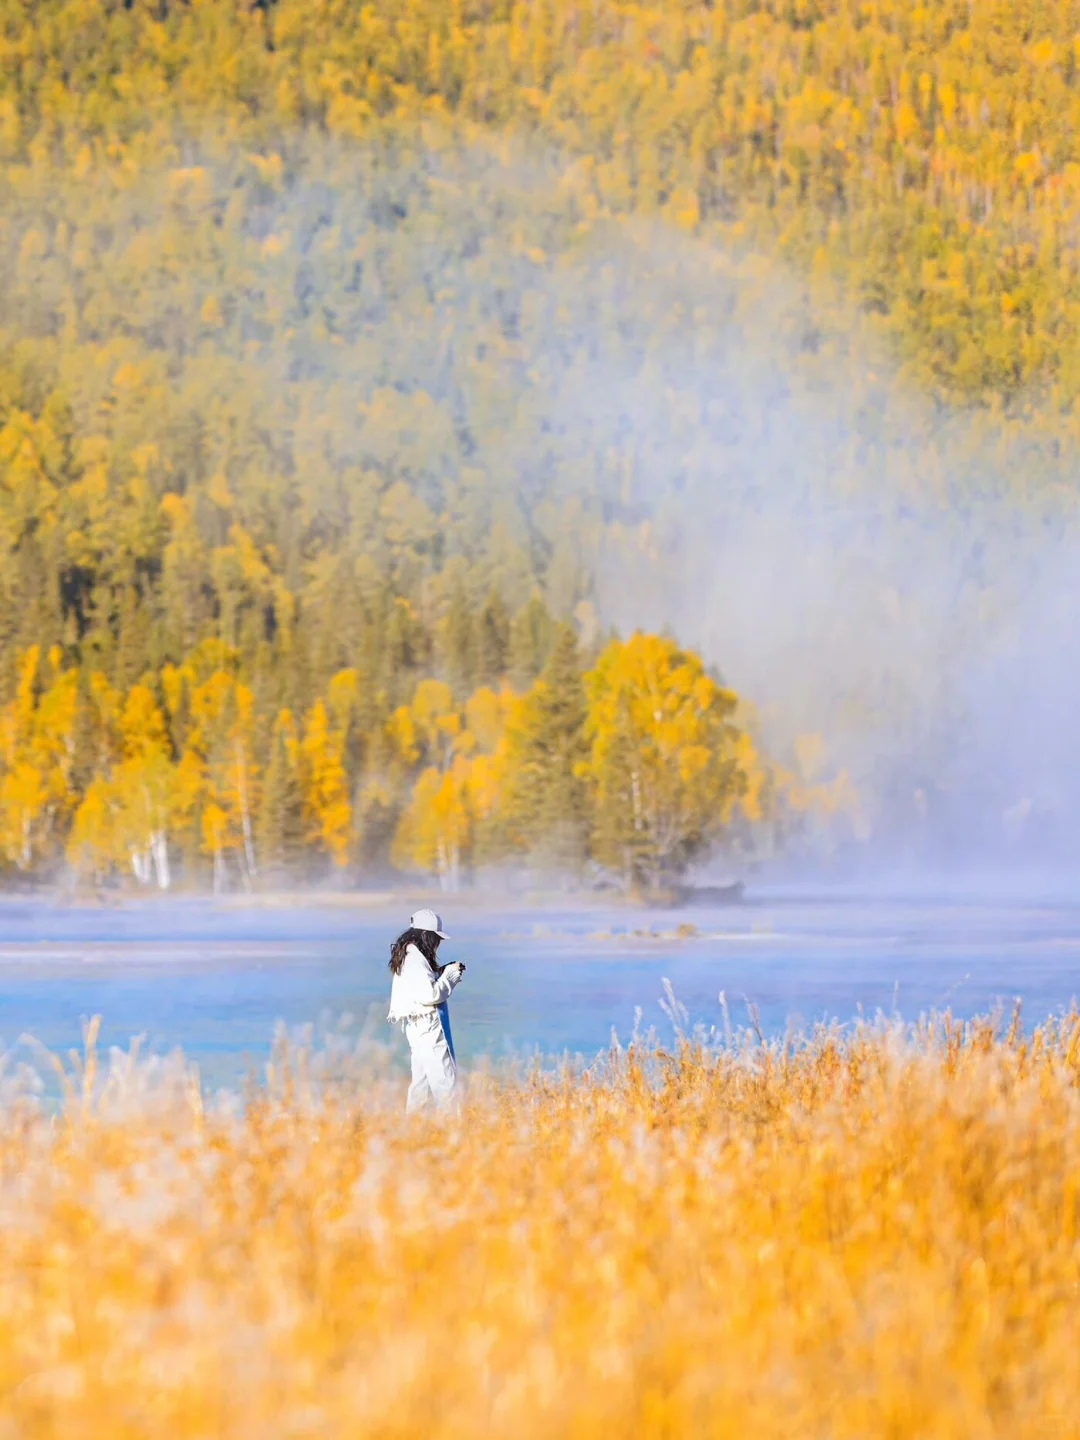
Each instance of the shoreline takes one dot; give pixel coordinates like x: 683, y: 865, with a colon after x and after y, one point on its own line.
x: 492, y: 900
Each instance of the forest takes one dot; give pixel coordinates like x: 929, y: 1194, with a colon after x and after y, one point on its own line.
x: 346, y: 356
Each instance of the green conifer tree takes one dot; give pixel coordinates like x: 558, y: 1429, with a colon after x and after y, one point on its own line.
x: 492, y: 641
x: 548, y: 805
x: 403, y: 649
x: 132, y: 638
x: 458, y: 642
x: 280, y: 828
x: 531, y: 637
x: 618, y: 839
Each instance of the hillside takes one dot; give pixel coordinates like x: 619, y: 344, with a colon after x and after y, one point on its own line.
x: 345, y: 353
x: 923, y: 155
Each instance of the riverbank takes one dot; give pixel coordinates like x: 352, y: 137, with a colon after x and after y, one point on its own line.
x: 406, y: 899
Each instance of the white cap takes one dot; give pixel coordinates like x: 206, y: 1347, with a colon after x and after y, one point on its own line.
x: 428, y: 920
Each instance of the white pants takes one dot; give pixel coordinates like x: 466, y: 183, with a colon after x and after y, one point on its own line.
x: 434, y: 1068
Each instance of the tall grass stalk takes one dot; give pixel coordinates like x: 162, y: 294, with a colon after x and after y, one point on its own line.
x: 854, y: 1233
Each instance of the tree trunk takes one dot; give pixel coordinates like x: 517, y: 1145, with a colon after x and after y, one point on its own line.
x: 245, y: 813
x: 159, y: 853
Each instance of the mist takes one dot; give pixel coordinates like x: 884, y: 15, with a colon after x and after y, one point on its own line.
x: 485, y: 381
x: 859, y: 564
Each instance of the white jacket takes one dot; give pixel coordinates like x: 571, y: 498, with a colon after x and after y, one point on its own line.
x: 418, y: 990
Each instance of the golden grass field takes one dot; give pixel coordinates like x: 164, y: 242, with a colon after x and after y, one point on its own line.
x: 872, y: 1233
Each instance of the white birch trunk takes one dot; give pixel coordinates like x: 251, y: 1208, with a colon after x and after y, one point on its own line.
x: 159, y: 853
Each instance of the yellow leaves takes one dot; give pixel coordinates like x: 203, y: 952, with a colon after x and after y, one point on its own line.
x: 173, y: 681
x: 107, y: 703
x: 684, y: 209
x: 130, y: 806
x: 1043, y: 53
x: 55, y: 717
x: 37, y: 746
x: 407, y: 521
x: 211, y: 706
x: 40, y: 720
x: 10, y: 128
x: 812, y: 793
x: 920, y: 153
x: 662, y: 691
x: 216, y: 771
x: 144, y: 457
x: 753, y: 802
x: 127, y: 377
x: 92, y: 844
x: 29, y: 451
x: 240, y: 565
x: 191, y: 179
x: 17, y: 715
x: 1028, y: 167
x: 142, y: 724
x: 487, y: 715
x: 207, y: 657
x: 177, y: 510
x: 124, y: 818
x: 286, y: 727
x: 94, y: 452
x: 648, y: 103
x: 403, y: 734
x: 217, y: 835
x: 326, y: 789
x: 906, y: 122
x: 23, y: 796
x: 453, y: 798
x: 217, y: 489
x: 33, y: 248
x: 341, y: 695
x: 428, y: 726
x: 269, y: 168
x: 396, y: 458
x: 663, y: 763
x: 434, y: 832
x: 190, y: 784
x: 485, y: 783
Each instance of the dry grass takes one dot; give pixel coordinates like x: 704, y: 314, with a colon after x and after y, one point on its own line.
x: 866, y: 1235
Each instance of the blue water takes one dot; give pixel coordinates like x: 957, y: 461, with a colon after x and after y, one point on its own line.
x: 214, y: 978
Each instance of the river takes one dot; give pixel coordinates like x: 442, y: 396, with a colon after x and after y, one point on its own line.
x: 215, y: 977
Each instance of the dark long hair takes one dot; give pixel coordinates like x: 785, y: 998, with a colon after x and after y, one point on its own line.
x: 426, y: 941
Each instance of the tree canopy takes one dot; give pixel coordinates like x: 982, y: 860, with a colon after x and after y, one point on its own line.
x: 922, y: 155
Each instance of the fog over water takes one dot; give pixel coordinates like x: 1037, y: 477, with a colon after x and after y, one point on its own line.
x: 216, y: 978
x: 693, y: 439
x: 900, y: 581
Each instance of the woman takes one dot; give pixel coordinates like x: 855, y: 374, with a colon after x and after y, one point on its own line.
x: 418, y: 996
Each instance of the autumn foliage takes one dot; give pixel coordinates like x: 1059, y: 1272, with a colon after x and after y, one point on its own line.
x: 920, y: 155
x: 635, y: 764
x: 311, y: 320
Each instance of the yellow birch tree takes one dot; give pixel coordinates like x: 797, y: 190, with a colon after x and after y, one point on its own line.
x: 663, y: 761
